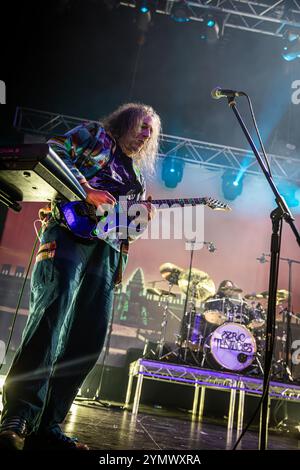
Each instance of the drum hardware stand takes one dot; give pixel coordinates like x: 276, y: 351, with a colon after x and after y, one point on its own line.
x: 289, y: 318
x: 189, y: 314
x: 204, y: 354
x: 186, y: 302
x: 288, y: 365
x: 258, y: 363
x: 164, y: 323
x: 279, y: 214
x: 285, y: 370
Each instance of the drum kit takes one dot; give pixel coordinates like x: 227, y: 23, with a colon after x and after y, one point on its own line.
x: 220, y: 329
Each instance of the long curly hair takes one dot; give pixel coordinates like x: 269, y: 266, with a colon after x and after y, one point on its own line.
x: 126, y: 119
x: 225, y: 282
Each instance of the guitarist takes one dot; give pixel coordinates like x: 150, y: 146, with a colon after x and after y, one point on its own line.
x: 73, y: 280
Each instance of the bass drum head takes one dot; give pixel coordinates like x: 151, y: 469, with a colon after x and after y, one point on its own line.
x: 232, y: 346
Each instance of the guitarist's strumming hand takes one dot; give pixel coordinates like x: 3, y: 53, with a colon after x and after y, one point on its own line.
x: 98, y: 197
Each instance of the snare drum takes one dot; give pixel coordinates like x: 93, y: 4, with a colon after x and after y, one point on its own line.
x: 257, y: 316
x: 231, y: 346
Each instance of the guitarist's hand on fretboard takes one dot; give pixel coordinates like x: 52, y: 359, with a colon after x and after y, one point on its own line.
x: 151, y: 209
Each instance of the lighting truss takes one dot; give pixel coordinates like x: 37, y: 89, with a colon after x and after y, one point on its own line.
x: 206, y: 154
x: 263, y: 17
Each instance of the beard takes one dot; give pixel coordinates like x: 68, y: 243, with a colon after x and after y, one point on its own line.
x: 131, y: 148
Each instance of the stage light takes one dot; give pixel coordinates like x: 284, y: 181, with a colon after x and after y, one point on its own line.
x: 143, y: 19
x: 232, y: 184
x: 210, y: 29
x: 291, y: 48
x: 181, y: 12
x: 143, y: 6
x: 290, y: 193
x: 172, y: 171
x: 210, y: 23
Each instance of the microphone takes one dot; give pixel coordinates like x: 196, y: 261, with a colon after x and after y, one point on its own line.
x: 262, y: 259
x: 218, y: 93
x: 210, y: 246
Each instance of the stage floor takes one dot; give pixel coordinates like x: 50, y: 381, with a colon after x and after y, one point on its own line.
x: 111, y: 428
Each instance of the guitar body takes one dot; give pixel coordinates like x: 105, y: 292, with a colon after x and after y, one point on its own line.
x: 83, y: 222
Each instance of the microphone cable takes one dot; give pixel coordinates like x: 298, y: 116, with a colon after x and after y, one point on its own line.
x: 258, y: 134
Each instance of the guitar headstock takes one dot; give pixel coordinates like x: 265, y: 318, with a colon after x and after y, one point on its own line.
x: 216, y: 205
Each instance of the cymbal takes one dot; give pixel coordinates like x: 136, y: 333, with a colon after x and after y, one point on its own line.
x: 153, y: 291
x: 230, y: 289
x: 170, y: 272
x: 254, y: 296
x: 281, y: 295
x: 201, y: 285
x: 167, y: 293
x: 160, y: 292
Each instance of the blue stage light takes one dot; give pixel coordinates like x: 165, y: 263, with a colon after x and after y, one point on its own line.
x: 288, y: 191
x: 144, y: 6
x: 181, y: 12
x: 172, y: 171
x: 209, y: 29
x: 232, y: 184
x: 210, y: 23
x: 291, y: 48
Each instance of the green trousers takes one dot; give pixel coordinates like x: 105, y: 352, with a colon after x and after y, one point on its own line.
x: 70, y: 306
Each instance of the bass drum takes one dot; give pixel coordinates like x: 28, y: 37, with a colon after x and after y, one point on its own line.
x: 231, y: 346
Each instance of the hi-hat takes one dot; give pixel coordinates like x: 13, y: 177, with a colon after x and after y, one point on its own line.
x: 153, y: 291
x: 166, y: 293
x: 170, y: 272
x: 254, y: 296
x: 201, y: 285
x: 281, y: 295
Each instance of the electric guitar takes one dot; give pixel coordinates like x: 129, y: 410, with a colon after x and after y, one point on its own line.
x: 121, y: 220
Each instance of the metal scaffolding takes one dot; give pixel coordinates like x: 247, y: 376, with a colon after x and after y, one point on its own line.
x: 206, y: 154
x: 263, y: 17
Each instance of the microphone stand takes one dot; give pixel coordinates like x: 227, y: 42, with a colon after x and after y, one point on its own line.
x: 279, y: 214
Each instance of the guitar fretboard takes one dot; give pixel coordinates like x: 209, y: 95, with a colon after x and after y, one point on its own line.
x: 207, y: 201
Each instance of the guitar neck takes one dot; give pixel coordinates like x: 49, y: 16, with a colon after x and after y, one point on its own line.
x: 171, y: 202
x: 194, y: 201
x: 182, y: 202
